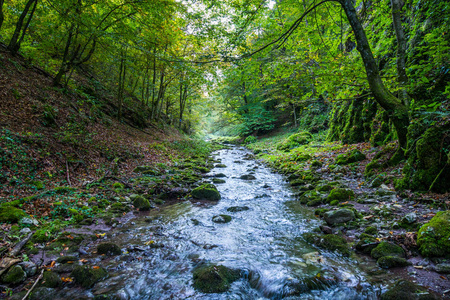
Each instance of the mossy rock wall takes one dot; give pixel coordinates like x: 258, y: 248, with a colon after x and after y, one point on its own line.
x: 428, y: 166
x: 359, y: 120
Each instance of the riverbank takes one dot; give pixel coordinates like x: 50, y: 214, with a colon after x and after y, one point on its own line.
x: 352, y: 189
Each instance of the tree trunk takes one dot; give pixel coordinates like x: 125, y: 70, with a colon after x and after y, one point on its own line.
x: 2, y: 16
x: 121, y: 87
x: 397, y: 6
x: 14, y: 43
x: 397, y: 111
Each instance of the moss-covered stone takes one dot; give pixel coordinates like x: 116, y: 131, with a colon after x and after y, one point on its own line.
x: 387, y: 249
x: 406, y: 290
x: 141, y: 203
x: 221, y: 219
x: 40, y: 236
x: 51, y: 279
x: 214, y: 278
x: 87, y: 276
x: 372, y: 230
x: 109, y: 249
x: 339, y: 216
x: 330, y: 242
x: 218, y: 181
x: 366, y: 243
x: 388, y: 262
x: 11, y: 214
x: 118, y: 185
x: 237, y: 208
x: 206, y: 192
x: 341, y: 194
x: 350, y: 157
x: 295, y: 140
x: 14, y: 275
x: 433, y: 238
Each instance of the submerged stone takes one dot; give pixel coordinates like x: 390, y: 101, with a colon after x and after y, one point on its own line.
x: 247, y: 177
x: 330, y: 242
x: 237, y: 208
x: 214, y: 278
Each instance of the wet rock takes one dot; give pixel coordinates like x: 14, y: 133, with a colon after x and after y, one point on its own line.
x: 51, y: 280
x: 109, y: 249
x: 433, y: 238
x: 14, y: 275
x: 409, y: 218
x: 219, y: 175
x: 372, y: 230
x: 326, y: 229
x: 29, y: 268
x: 388, y: 262
x: 42, y: 293
x: 406, y: 290
x: 247, y: 177
x: 341, y: 194
x: 237, y: 208
x: 330, y: 242
x: 220, y: 166
x: 67, y: 259
x: 87, y: 276
x: 443, y: 268
x: 313, y: 258
x: 387, y: 249
x: 141, y: 203
x: 221, y: 219
x: 366, y: 243
x: 206, y: 192
x: 377, y: 181
x: 214, y: 278
x: 195, y: 222
x: 338, y: 216
x: 218, y: 180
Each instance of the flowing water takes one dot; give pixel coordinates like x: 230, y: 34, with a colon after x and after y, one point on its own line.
x: 265, y: 242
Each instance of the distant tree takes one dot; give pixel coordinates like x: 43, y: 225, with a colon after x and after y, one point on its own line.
x: 2, y: 17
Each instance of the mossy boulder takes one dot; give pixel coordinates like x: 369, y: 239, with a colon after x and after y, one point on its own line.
x: 108, y: 249
x: 218, y: 181
x: 341, y: 194
x: 221, y: 219
x: 366, y: 243
x: 15, y: 275
x: 141, y: 203
x: 433, y: 238
x: 406, y: 290
x: 334, y: 217
x: 388, y: 262
x: 51, y: 279
x: 87, y: 276
x: 214, y: 278
x: 372, y: 230
x: 350, y: 157
x: 295, y: 140
x: 206, y: 192
x: 11, y: 214
x: 387, y: 249
x: 329, y: 242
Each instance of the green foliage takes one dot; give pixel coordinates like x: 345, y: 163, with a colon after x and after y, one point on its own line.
x: 433, y: 238
x: 250, y: 139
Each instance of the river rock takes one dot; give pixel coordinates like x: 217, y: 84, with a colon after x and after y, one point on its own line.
x: 338, y: 216
x: 29, y: 268
x: 330, y: 242
x: 206, y: 191
x: 388, y: 262
x: 409, y: 218
x: 87, y: 276
x: 218, y: 180
x: 237, y: 208
x: 387, y: 249
x: 443, y: 268
x: 109, y: 249
x: 141, y: 203
x: 214, y: 278
x: 247, y: 177
x: 219, y: 175
x: 221, y: 219
x: 15, y: 275
x: 433, y: 238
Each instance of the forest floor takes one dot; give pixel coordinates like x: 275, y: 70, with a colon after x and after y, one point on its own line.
x: 381, y: 213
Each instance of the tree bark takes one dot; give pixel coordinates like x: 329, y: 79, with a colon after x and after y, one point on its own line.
x: 14, y: 43
x: 397, y: 6
x: 397, y: 111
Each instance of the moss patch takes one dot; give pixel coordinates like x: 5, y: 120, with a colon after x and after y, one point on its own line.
x: 141, y: 203
x: 86, y: 276
x: 15, y: 275
x: 387, y: 249
x: 350, y: 157
x: 11, y: 214
x: 206, y: 192
x: 341, y: 194
x: 387, y: 262
x: 108, y: 249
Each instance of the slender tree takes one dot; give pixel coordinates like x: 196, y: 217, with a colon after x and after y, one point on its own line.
x: 2, y: 16
x: 21, y: 29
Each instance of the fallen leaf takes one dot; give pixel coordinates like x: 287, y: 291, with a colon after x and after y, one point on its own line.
x: 95, y: 267
x: 418, y: 267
